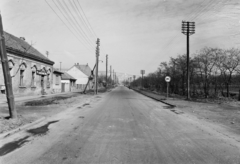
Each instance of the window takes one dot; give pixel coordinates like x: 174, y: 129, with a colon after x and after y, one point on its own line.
x: 22, y: 66
x: 33, y: 79
x: 21, y: 77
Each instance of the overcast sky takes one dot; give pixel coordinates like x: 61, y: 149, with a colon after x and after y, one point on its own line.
x: 136, y: 34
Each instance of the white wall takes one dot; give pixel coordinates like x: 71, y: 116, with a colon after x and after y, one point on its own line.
x: 79, y: 75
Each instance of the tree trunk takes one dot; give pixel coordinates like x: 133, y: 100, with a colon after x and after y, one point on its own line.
x: 227, y: 89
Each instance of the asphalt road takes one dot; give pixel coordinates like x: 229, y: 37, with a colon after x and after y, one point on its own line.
x: 123, y: 127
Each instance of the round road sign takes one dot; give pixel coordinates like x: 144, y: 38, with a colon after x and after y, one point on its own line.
x: 167, y: 78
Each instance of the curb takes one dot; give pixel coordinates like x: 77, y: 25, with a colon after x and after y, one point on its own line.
x: 21, y: 128
x: 154, y: 98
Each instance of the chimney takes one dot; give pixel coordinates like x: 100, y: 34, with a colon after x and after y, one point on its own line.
x: 22, y: 38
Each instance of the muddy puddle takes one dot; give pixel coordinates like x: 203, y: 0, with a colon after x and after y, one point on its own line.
x: 11, y: 146
x: 48, y: 101
x: 41, y: 130
x: 168, y: 107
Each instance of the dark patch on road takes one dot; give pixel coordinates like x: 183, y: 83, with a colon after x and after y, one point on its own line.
x: 168, y: 107
x: 64, y: 158
x: 173, y: 110
x: 177, y: 111
x: 41, y: 130
x: 86, y: 104
x: 81, y: 116
x: 9, y: 147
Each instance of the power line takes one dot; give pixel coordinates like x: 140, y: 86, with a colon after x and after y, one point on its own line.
x: 86, y: 19
x: 77, y: 24
x: 67, y: 26
x: 208, y: 5
x: 69, y: 22
x: 66, y: 16
x: 82, y: 18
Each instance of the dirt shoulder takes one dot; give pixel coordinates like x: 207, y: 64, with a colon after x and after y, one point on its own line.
x: 30, y: 111
x: 224, y: 113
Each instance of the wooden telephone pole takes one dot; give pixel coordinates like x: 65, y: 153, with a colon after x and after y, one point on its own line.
x: 6, y: 74
x: 113, y: 77
x: 188, y: 28
x: 110, y: 75
x: 106, y: 70
x: 96, y: 75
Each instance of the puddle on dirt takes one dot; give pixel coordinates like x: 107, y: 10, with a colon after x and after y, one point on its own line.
x: 9, y: 147
x: 41, y: 130
x: 86, y: 104
x: 48, y: 101
x: 168, y: 107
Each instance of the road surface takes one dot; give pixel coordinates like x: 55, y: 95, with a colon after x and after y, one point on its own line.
x: 124, y: 127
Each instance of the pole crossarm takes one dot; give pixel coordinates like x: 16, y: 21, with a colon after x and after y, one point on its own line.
x: 188, y: 28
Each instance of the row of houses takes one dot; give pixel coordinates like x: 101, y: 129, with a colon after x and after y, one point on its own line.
x: 33, y: 73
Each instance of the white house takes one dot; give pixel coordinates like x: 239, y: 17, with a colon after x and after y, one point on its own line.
x: 68, y: 83
x: 82, y: 74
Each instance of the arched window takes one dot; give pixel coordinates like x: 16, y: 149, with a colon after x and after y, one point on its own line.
x: 11, y: 65
x: 34, y: 70
x: 23, y: 66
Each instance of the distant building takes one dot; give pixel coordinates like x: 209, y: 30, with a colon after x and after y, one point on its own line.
x: 68, y: 83
x: 82, y: 74
x: 31, y: 71
x: 57, y: 85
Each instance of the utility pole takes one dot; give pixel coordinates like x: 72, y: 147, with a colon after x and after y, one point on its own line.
x: 96, y: 75
x: 110, y: 75
x: 113, y: 77
x: 60, y: 65
x: 6, y: 74
x: 188, y: 28
x: 106, y: 70
x: 134, y: 76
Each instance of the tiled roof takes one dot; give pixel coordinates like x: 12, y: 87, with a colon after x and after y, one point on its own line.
x: 56, y: 70
x: 85, y: 69
x: 22, y: 48
x: 66, y: 76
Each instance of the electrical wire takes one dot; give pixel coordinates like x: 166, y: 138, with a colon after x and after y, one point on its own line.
x: 77, y: 25
x: 86, y: 19
x: 67, y: 26
x: 66, y: 16
x: 82, y: 18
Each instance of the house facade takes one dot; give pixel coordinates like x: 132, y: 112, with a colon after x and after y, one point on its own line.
x: 31, y: 71
x: 81, y: 73
x: 68, y: 83
x: 57, y: 85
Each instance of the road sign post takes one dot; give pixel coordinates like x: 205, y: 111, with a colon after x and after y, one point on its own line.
x: 167, y: 79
